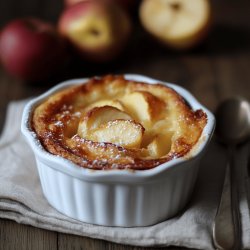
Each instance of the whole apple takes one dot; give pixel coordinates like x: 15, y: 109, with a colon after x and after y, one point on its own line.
x: 98, y: 30
x: 31, y: 49
x: 178, y: 24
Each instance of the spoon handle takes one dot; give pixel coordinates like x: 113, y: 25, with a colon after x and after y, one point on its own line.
x: 226, y: 227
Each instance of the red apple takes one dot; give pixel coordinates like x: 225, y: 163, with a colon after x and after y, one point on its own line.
x: 99, y: 30
x: 31, y: 49
x: 127, y: 4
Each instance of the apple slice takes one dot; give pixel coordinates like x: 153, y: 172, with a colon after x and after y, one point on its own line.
x: 98, y: 116
x: 113, y: 103
x: 179, y: 24
x: 125, y: 133
x: 143, y: 106
x: 160, y: 145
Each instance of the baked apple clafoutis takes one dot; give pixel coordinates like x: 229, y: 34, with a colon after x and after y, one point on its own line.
x: 114, y: 123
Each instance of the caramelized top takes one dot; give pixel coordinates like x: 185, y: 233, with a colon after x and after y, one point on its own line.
x: 111, y: 122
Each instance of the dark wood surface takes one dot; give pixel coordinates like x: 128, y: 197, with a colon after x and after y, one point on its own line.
x: 216, y: 70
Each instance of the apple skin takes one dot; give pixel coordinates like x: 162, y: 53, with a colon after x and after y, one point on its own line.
x: 127, y: 4
x: 31, y: 49
x: 103, y: 33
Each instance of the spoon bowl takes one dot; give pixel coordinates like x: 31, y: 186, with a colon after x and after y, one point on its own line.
x: 233, y: 121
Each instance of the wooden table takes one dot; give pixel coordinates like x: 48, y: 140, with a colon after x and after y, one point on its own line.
x: 216, y: 70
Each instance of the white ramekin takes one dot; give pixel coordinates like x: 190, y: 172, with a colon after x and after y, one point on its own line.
x: 117, y: 197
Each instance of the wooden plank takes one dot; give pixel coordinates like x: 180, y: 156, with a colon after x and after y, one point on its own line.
x: 66, y: 242
x: 17, y: 236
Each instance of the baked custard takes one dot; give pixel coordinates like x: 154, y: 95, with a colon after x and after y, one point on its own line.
x: 114, y: 123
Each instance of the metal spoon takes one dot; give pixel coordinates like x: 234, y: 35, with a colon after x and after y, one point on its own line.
x: 233, y: 128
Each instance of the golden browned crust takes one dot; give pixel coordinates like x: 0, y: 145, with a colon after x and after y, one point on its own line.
x: 56, y: 122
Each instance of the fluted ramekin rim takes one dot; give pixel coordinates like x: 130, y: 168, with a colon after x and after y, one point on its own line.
x: 67, y: 166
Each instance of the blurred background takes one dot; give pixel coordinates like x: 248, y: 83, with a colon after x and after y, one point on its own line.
x: 213, y: 66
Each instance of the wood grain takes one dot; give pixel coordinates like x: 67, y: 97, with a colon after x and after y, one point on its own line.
x: 82, y: 243
x: 214, y: 71
x: 22, y: 237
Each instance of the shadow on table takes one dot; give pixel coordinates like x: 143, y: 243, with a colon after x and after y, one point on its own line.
x: 143, y: 53
x: 222, y: 40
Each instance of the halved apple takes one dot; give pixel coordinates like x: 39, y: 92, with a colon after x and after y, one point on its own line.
x: 126, y: 133
x: 179, y: 24
x: 142, y: 106
x: 160, y: 145
x: 98, y: 116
